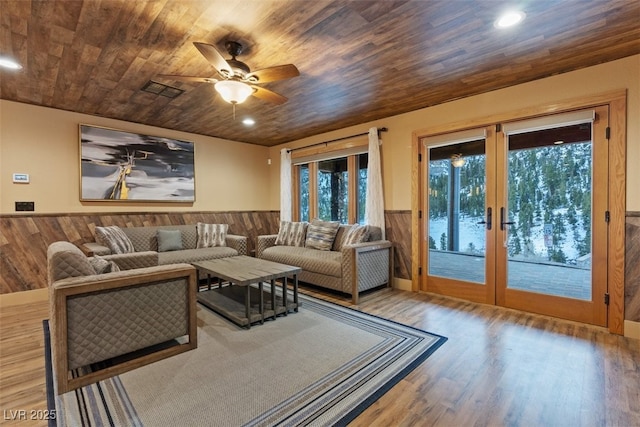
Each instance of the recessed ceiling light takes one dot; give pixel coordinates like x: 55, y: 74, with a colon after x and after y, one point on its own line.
x: 249, y: 122
x: 509, y: 19
x: 9, y: 63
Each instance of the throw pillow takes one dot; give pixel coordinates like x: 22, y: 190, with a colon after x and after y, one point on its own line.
x: 101, y: 265
x: 169, y: 240
x: 320, y: 234
x: 291, y: 233
x: 210, y: 235
x: 355, y: 234
x: 115, y: 239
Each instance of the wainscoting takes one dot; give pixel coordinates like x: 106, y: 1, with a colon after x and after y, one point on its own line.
x: 24, y: 239
x: 632, y: 267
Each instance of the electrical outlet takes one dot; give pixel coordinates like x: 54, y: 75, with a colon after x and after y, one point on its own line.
x: 25, y: 206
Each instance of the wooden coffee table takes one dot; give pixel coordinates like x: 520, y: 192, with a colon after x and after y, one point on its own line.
x: 235, y: 300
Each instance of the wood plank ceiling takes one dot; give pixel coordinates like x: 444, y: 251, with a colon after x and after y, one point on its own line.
x: 358, y: 60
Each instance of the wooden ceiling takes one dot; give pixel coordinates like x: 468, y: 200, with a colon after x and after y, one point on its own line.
x: 359, y: 60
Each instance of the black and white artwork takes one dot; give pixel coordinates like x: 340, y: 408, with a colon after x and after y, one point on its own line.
x: 117, y: 165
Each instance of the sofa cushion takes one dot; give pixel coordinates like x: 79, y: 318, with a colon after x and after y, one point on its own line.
x: 102, y: 266
x: 146, y: 238
x: 169, y: 240
x: 321, y: 234
x: 291, y: 233
x: 115, y: 239
x: 322, y: 262
x: 192, y: 255
x: 211, y: 235
x: 355, y: 234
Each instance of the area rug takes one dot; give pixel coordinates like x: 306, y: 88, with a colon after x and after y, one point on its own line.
x: 321, y: 366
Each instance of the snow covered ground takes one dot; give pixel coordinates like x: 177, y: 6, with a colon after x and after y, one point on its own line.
x: 474, y: 233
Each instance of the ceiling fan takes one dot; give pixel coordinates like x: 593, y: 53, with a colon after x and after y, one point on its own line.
x: 237, y: 82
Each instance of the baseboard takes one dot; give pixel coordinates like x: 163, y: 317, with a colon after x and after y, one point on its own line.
x: 402, y: 284
x: 632, y: 329
x: 24, y: 297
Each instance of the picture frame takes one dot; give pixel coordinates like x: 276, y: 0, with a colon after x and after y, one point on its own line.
x: 122, y: 166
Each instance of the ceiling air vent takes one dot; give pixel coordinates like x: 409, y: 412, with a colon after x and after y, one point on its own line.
x: 161, y: 89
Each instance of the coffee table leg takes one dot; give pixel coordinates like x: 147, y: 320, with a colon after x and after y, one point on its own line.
x: 273, y: 299
x: 247, y: 306
x: 295, y: 291
x: 284, y: 295
x: 208, y: 281
x: 261, y: 303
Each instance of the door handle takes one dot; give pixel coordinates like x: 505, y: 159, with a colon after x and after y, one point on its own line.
x: 488, y: 221
x: 502, y: 221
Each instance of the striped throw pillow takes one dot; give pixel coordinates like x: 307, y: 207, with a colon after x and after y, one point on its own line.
x: 210, y: 235
x: 115, y: 239
x: 321, y: 234
x: 355, y: 234
x: 291, y: 233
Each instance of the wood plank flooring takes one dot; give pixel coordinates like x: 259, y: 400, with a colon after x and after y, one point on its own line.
x: 499, y: 367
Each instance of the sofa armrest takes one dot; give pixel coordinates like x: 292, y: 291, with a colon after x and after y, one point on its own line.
x: 366, y: 266
x: 264, y: 242
x: 134, y: 260
x: 93, y: 248
x: 239, y: 243
x: 100, y: 317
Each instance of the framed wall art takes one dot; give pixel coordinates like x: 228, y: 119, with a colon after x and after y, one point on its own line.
x: 123, y: 166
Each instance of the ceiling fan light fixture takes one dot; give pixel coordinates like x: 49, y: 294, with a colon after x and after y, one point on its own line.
x: 232, y: 91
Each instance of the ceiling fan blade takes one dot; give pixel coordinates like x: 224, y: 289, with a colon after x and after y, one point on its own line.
x: 188, y: 78
x: 271, y: 74
x: 267, y: 95
x: 215, y: 58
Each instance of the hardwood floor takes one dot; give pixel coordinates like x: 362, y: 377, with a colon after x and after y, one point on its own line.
x: 499, y: 367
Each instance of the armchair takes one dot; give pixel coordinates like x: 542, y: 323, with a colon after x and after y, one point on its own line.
x: 106, y: 324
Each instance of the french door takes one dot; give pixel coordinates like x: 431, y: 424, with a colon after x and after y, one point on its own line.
x: 516, y: 215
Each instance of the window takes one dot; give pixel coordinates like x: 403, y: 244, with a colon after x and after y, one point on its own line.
x: 303, y: 196
x: 331, y: 189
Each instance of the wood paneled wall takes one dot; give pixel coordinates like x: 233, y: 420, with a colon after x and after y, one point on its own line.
x: 24, y: 239
x: 398, y: 230
x: 632, y: 268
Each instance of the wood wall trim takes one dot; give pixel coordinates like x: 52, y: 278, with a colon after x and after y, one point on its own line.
x: 528, y: 112
x: 416, y: 193
x: 617, y: 208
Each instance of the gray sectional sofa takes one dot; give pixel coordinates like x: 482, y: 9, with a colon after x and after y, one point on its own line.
x: 145, y: 244
x: 349, y: 269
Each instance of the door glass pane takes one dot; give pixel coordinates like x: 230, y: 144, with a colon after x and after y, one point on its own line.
x: 363, y: 164
x: 549, y: 203
x: 333, y: 187
x: 303, y: 185
x: 456, y: 233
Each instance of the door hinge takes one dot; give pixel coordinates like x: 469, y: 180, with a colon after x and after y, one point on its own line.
x: 419, y: 271
x: 419, y: 214
x: 419, y: 157
x: 498, y: 127
x: 606, y: 298
x: 607, y: 132
x: 607, y: 216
